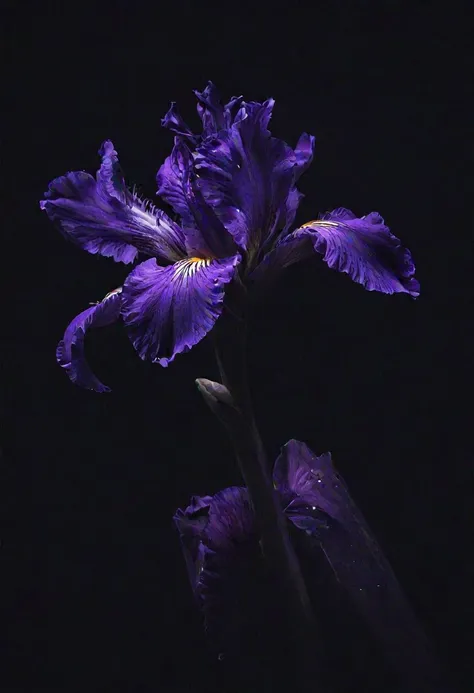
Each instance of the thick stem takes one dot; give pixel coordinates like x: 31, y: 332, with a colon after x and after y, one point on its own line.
x: 229, y: 340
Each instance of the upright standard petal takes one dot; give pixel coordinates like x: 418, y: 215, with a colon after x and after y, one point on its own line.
x: 362, y: 248
x: 245, y: 175
x: 214, y: 116
x: 170, y: 309
x: 174, y: 122
x: 204, y: 233
x: 103, y: 217
x: 210, y: 110
x: 70, y: 352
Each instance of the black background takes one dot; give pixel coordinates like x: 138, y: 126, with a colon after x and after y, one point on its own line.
x: 95, y: 592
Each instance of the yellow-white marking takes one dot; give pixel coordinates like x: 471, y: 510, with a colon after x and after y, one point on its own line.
x: 187, y: 268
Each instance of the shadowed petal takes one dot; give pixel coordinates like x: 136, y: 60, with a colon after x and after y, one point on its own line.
x: 170, y: 309
x: 298, y: 473
x: 245, y: 175
x: 70, y: 352
x: 191, y: 523
x: 210, y: 110
x: 204, y: 233
x: 103, y: 217
x: 231, y: 519
x: 304, y: 152
x: 231, y: 109
x: 225, y: 564
x: 362, y: 248
x: 173, y: 121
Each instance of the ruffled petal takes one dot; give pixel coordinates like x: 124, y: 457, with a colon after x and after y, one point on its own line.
x: 103, y: 217
x: 70, y: 352
x: 204, y: 233
x: 170, y: 309
x: 245, y: 175
x: 362, y: 248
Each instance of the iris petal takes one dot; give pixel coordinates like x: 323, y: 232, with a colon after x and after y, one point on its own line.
x: 362, y: 248
x: 231, y: 519
x: 299, y: 474
x: 70, y: 352
x: 245, y: 175
x: 204, y: 233
x: 103, y: 217
x: 210, y: 110
x: 174, y: 122
x: 170, y: 309
x: 304, y: 152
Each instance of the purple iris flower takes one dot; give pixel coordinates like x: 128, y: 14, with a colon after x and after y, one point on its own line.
x: 220, y: 539
x: 234, y: 189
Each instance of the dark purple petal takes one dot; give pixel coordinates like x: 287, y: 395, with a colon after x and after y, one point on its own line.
x: 103, y: 217
x: 225, y: 566
x: 110, y: 178
x: 191, y: 524
x: 231, y: 109
x: 231, y: 519
x: 170, y: 309
x: 292, y: 203
x: 173, y: 121
x: 363, y: 248
x: 70, y: 352
x: 210, y: 110
x: 204, y: 233
x: 172, y: 178
x: 245, y: 175
x: 304, y: 152
x: 299, y: 475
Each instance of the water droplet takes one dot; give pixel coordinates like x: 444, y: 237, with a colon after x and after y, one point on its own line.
x: 220, y: 656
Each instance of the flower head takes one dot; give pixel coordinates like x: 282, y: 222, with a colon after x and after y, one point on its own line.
x: 233, y: 187
x: 221, y: 544
x: 171, y: 300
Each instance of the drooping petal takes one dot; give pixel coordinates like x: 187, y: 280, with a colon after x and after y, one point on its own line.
x: 245, y: 175
x: 204, y: 233
x: 170, y: 309
x: 362, y: 248
x: 70, y: 352
x: 304, y: 152
x: 103, y: 217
